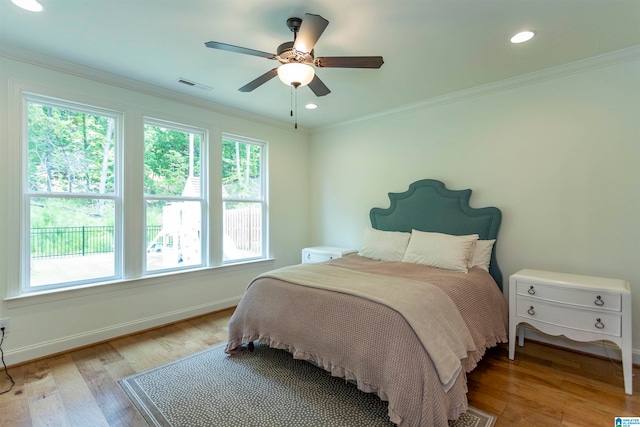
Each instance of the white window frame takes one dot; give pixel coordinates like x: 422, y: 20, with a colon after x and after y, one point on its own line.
x: 128, y: 195
x: 262, y: 200
x: 25, y: 287
x: 203, y: 199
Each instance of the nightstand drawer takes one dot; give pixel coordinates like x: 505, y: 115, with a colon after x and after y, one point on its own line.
x: 324, y: 253
x: 311, y: 257
x: 582, y: 320
x: 570, y: 296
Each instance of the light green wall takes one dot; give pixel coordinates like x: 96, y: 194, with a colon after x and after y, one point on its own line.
x: 560, y: 156
x: 41, y: 326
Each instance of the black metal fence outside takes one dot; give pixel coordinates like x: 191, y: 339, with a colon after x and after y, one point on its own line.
x: 55, y: 242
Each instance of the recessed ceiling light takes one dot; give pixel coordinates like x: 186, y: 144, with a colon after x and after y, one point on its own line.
x: 311, y: 106
x: 522, y: 37
x: 30, y: 5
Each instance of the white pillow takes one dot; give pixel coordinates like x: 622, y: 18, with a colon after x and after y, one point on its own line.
x: 384, y: 245
x: 482, y: 254
x: 440, y: 250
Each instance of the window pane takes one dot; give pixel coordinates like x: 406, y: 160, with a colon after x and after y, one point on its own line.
x: 173, y: 234
x: 241, y: 169
x: 171, y: 162
x: 71, y: 240
x: 242, y: 231
x: 70, y: 151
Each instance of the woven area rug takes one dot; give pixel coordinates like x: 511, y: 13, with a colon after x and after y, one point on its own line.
x: 264, y: 388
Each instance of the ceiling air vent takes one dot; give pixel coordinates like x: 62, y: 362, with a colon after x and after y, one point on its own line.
x: 194, y: 84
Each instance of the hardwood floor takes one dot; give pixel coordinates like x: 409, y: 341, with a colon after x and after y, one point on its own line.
x: 544, y: 386
x: 549, y: 386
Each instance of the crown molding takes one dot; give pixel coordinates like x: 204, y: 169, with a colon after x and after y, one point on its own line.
x: 611, y: 58
x: 68, y: 67
x: 607, y: 59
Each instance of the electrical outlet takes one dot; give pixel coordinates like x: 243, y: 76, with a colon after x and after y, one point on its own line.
x: 4, y: 323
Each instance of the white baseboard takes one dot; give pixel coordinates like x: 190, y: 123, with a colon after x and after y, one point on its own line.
x: 63, y: 344
x: 599, y: 348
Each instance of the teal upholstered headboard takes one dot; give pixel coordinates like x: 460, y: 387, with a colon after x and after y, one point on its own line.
x: 428, y: 206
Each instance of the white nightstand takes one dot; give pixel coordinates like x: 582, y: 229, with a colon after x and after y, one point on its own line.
x: 581, y: 308
x: 324, y: 253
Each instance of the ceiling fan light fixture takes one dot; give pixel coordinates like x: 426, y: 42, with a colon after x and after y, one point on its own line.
x: 30, y: 5
x: 296, y: 74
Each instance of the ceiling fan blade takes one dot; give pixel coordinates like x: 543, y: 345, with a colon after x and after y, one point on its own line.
x: 310, y: 31
x: 349, y: 61
x: 259, y: 81
x: 318, y: 87
x: 238, y: 49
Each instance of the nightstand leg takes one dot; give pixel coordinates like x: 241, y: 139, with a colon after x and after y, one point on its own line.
x: 626, y: 344
x: 521, y: 335
x: 627, y: 369
x: 512, y: 341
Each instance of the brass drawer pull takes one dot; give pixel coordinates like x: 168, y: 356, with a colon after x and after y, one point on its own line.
x: 531, y: 311
x: 531, y: 291
x: 599, y: 323
x: 599, y: 301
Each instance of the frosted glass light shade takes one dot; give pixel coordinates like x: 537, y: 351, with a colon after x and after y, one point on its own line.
x: 296, y: 73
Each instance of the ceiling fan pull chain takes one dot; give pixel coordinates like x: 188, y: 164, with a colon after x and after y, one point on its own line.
x: 294, y: 86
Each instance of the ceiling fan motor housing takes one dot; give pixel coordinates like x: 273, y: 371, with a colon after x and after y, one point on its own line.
x: 287, y: 54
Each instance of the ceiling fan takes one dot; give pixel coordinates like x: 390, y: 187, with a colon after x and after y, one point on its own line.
x: 296, y: 57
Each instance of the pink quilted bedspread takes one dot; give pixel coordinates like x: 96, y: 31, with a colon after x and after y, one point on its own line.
x: 367, y: 341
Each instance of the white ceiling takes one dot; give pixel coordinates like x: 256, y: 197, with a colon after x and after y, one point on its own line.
x: 430, y: 47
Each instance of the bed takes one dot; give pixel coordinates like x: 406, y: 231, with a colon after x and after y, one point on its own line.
x: 404, y: 328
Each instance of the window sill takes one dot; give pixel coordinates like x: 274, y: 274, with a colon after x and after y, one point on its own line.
x: 34, y: 298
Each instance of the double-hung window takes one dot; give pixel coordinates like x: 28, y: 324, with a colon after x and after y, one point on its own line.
x: 244, y: 199
x: 174, y: 189
x: 71, y: 199
x: 72, y: 204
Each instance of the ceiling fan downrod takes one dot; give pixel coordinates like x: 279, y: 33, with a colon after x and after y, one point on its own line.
x: 294, y: 25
